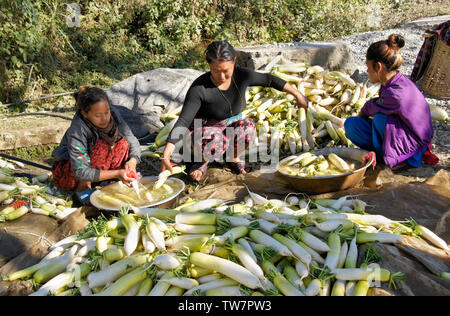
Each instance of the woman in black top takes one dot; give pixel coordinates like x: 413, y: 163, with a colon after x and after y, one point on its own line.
x: 218, y: 99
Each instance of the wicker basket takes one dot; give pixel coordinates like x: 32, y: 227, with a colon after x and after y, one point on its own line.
x: 435, y: 81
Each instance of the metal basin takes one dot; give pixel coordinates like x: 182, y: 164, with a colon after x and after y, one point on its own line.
x: 329, y: 183
x: 169, y: 202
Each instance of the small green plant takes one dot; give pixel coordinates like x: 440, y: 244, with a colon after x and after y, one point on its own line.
x: 41, y: 152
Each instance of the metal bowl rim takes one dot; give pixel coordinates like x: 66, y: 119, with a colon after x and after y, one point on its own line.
x: 326, y: 176
x: 183, y: 185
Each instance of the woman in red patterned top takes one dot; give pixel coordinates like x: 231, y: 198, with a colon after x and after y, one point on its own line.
x: 98, y: 146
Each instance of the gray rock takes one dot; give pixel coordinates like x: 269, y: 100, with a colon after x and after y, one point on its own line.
x: 142, y: 98
x: 427, y: 22
x: 331, y: 55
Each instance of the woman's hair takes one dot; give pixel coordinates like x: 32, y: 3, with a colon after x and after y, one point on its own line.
x: 387, y: 52
x: 221, y: 51
x: 87, y: 96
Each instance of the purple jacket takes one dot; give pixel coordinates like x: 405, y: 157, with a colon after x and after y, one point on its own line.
x: 409, y: 128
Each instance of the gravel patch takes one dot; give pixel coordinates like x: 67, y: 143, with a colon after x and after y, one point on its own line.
x: 413, y: 34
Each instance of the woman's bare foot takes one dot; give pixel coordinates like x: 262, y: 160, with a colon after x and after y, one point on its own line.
x: 196, y: 175
x: 241, y: 171
x: 239, y: 167
x: 198, y: 171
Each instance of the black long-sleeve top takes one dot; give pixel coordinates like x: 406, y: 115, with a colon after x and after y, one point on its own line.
x: 205, y: 100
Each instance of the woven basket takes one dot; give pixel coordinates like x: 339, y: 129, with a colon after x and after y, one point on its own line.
x: 435, y: 81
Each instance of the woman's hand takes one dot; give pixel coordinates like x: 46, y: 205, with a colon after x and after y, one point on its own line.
x: 130, y: 165
x: 122, y: 175
x: 301, y: 100
x: 165, y: 161
x: 166, y: 165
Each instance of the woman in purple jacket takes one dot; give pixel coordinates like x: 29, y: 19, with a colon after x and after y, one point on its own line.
x: 396, y: 125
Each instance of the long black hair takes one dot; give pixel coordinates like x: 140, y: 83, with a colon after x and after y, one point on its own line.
x: 221, y: 51
x: 86, y: 96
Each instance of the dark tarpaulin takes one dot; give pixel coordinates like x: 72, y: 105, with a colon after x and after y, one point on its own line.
x: 398, y: 198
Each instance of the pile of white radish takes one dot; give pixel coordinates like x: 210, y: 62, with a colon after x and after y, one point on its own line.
x: 332, y: 96
x: 21, y: 197
x: 282, y: 125
x: 290, y: 247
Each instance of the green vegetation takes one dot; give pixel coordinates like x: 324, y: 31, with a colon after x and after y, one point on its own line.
x: 41, y: 54
x: 35, y: 153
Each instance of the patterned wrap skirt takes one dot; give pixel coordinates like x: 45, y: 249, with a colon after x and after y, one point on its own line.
x: 102, y: 157
x: 216, y: 137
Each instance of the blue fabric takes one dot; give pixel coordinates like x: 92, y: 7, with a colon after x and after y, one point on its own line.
x: 416, y: 160
x: 368, y: 134
x: 233, y: 119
